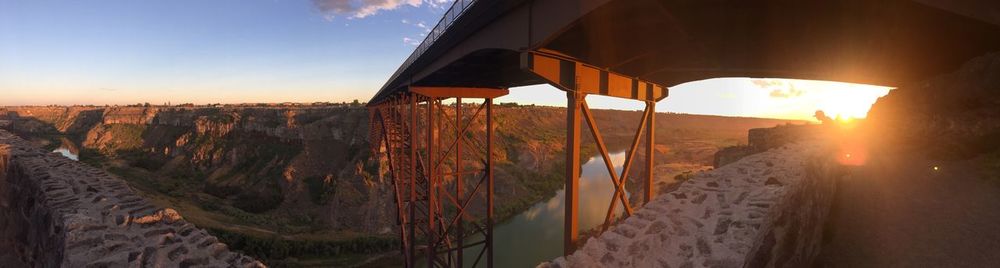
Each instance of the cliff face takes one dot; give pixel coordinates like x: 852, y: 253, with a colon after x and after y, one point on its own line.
x: 40, y: 120
x: 949, y: 116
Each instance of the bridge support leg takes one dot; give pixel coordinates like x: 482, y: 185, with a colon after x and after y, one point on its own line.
x: 570, y: 231
x: 411, y: 236
x: 489, y: 183
x: 442, y: 173
x: 432, y: 199
x: 650, y: 143
x: 579, y: 79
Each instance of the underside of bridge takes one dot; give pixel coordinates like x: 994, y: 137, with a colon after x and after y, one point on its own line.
x: 633, y: 49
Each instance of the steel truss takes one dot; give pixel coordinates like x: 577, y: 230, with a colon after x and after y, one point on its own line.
x: 578, y: 80
x: 577, y: 108
x: 440, y: 161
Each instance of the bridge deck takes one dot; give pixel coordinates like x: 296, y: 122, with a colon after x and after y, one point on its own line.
x: 671, y: 42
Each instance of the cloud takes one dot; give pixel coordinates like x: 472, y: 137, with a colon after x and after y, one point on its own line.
x: 415, y: 41
x: 439, y: 3
x: 786, y: 93
x: 778, y: 88
x: 411, y: 41
x: 766, y: 83
x: 357, y: 9
x: 419, y: 24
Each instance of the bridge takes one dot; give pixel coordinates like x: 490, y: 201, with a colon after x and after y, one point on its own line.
x: 631, y: 49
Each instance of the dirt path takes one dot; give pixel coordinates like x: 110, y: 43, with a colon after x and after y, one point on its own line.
x: 899, y: 212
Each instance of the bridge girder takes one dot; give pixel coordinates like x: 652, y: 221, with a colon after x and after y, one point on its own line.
x: 888, y: 43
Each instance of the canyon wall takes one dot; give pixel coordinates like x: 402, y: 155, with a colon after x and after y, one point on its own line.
x: 764, y: 210
x: 55, y: 212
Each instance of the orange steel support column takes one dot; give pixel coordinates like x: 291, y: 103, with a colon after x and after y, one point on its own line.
x: 579, y: 79
x: 431, y: 182
x: 460, y: 231
x: 570, y: 230
x: 417, y: 158
x: 489, y: 182
x: 650, y: 143
x: 410, y: 259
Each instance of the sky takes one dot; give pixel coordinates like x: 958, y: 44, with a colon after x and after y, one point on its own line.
x: 248, y: 51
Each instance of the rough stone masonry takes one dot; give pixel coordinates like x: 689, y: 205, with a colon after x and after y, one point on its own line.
x: 765, y: 210
x: 55, y: 212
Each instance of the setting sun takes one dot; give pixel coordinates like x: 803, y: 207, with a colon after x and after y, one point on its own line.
x: 853, y: 102
x: 846, y: 101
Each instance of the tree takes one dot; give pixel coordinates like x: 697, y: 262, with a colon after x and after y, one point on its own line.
x: 822, y: 117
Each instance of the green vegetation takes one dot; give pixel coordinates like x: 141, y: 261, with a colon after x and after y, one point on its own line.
x: 276, y: 248
x: 126, y: 136
x: 687, y: 175
x: 321, y: 189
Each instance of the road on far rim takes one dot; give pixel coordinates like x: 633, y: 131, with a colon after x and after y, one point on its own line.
x: 901, y: 212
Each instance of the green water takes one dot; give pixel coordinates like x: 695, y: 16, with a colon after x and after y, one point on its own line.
x: 536, y: 235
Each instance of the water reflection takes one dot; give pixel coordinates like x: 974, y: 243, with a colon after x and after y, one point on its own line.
x: 68, y: 149
x: 536, y: 235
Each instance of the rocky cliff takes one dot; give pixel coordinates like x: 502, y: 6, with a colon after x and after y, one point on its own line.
x: 955, y: 115
x: 55, y: 212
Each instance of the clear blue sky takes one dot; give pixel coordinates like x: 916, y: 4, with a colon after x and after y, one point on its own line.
x: 230, y: 51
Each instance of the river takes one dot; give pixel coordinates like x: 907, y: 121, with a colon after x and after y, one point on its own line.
x: 536, y: 235
x: 68, y: 149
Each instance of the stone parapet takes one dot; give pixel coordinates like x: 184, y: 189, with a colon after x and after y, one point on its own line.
x: 765, y: 210
x: 56, y: 212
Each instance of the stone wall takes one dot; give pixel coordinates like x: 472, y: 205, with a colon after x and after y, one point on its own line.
x: 765, y: 210
x: 55, y: 212
x: 762, y: 139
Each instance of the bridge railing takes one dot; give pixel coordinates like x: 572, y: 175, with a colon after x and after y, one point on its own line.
x: 454, y: 12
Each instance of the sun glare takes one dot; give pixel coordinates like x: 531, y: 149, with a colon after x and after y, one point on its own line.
x: 845, y: 100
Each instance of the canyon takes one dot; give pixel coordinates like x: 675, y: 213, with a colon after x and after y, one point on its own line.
x: 287, y: 184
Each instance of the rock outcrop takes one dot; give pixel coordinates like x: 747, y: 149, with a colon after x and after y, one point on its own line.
x: 765, y: 210
x: 955, y: 115
x: 55, y: 212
